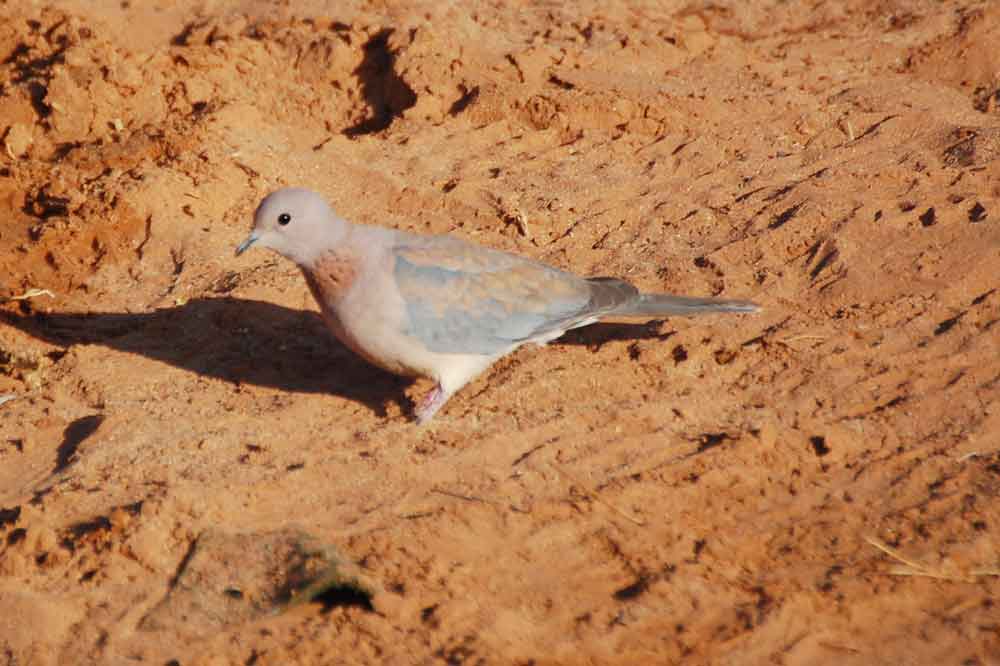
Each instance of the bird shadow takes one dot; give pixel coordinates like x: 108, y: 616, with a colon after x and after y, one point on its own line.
x: 597, y: 335
x: 236, y: 340
x: 258, y: 343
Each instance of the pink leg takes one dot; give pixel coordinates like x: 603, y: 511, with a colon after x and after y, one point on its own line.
x: 431, y: 403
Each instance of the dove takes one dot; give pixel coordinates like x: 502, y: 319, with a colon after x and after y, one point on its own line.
x: 437, y: 306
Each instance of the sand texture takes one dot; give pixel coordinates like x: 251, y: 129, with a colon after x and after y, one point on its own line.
x: 186, y: 447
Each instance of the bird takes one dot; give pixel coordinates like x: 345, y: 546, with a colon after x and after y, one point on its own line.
x: 438, y: 306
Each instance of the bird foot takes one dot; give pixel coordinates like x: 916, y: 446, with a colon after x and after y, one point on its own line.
x: 431, y: 403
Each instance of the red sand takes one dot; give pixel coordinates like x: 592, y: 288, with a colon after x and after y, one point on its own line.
x: 696, y: 491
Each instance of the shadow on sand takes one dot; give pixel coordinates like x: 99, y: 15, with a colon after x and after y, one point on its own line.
x: 258, y: 343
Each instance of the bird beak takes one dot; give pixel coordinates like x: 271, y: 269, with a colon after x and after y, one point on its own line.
x: 245, y: 245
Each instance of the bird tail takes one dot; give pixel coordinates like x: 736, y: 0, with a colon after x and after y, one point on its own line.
x: 626, y: 301
x: 660, y: 305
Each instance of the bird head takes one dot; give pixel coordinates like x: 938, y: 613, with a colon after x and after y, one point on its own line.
x: 296, y: 223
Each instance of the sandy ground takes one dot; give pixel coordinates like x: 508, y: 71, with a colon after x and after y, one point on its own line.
x: 184, y: 435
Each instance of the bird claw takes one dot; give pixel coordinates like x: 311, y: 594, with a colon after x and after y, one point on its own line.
x: 430, y: 405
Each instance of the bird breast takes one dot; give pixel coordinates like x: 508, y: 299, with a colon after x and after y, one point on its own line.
x: 331, y: 276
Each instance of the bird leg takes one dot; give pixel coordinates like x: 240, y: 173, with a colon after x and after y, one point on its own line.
x: 431, y: 403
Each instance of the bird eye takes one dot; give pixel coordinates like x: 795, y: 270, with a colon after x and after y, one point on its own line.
x: 284, y: 219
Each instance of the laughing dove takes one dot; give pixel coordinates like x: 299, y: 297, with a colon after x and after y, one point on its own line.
x: 438, y: 306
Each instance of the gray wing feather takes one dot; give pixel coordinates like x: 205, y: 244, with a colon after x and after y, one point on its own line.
x: 480, y: 301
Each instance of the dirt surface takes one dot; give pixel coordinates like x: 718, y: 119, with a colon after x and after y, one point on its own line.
x: 730, y: 490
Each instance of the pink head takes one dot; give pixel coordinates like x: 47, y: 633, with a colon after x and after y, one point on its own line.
x: 296, y: 223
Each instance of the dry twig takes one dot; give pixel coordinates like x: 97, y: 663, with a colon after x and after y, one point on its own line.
x: 31, y: 293
x: 914, y: 568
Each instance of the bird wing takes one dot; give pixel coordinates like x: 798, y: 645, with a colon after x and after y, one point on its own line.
x: 462, y: 298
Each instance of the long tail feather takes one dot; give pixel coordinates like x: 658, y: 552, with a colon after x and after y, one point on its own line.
x: 659, y: 305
